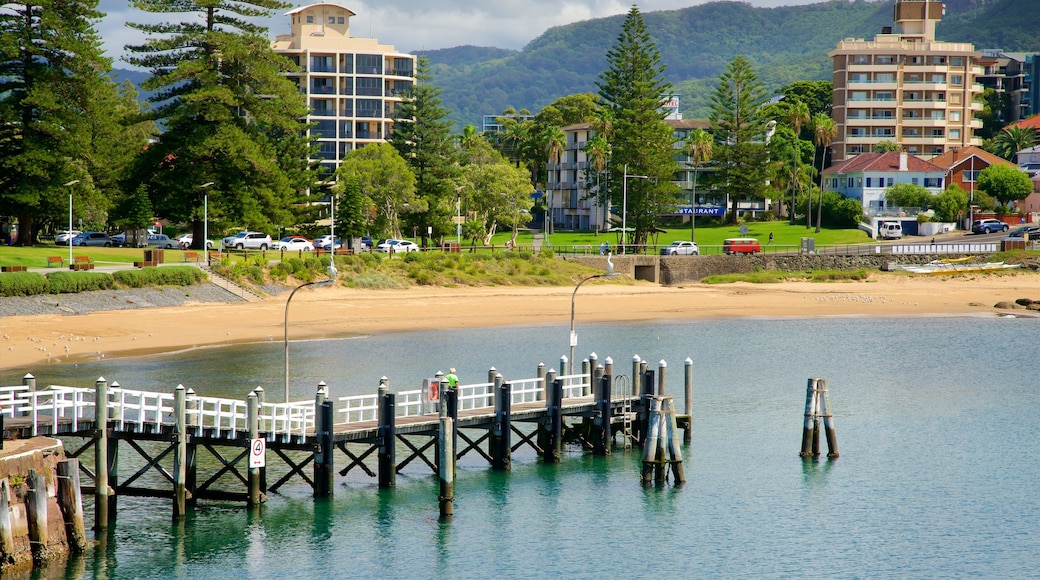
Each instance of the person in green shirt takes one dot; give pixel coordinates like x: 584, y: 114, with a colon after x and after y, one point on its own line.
x: 453, y: 379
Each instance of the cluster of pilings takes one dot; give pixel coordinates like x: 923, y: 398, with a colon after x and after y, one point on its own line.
x: 41, y: 544
x: 817, y: 406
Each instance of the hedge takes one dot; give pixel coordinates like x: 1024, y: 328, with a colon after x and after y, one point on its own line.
x: 22, y: 284
x: 154, y: 276
x: 72, y: 282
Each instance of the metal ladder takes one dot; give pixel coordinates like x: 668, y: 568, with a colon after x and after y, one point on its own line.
x: 620, y: 388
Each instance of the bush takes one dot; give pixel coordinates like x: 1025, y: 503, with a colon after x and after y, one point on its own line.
x: 153, y: 276
x: 22, y: 284
x: 72, y: 282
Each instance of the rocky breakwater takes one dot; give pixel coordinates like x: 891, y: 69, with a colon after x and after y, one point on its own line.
x: 1020, y: 304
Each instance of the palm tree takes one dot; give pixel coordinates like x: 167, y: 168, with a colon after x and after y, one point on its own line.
x: 824, y: 132
x: 468, y: 138
x: 797, y: 115
x: 1011, y: 140
x: 597, y: 150
x: 555, y: 140
x: 698, y: 147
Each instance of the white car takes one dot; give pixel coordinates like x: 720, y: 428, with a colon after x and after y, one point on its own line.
x: 185, y: 242
x: 680, y: 248
x: 247, y: 241
x: 325, y: 243
x: 64, y: 237
x: 294, y: 243
x: 396, y: 246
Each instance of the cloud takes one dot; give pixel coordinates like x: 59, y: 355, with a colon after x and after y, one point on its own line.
x: 414, y: 25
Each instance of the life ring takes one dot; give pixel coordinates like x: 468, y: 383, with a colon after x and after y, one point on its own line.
x: 434, y: 392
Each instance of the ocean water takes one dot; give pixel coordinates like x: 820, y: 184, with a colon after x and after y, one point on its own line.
x: 937, y: 421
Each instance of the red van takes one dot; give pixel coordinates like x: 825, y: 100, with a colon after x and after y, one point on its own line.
x: 741, y: 246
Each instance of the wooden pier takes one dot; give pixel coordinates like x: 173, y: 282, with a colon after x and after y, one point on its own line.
x: 187, y: 447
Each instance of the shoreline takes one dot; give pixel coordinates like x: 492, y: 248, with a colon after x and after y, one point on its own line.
x: 320, y: 313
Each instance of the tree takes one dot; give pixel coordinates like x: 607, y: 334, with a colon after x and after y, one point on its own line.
x: 908, y: 195
x: 1011, y: 140
x: 387, y: 183
x: 699, y: 147
x: 59, y: 115
x: 817, y: 95
x: 824, y: 132
x: 598, y: 151
x: 569, y: 110
x: 352, y: 209
x: 951, y: 204
x: 1005, y: 183
x: 797, y: 115
x: 886, y: 147
x: 496, y: 193
x: 231, y: 117
x: 739, y: 127
x: 422, y: 136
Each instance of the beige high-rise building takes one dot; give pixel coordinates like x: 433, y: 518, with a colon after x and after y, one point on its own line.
x: 353, y: 85
x: 905, y: 87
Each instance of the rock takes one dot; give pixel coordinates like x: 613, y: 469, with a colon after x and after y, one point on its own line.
x: 1005, y: 305
x: 1024, y: 301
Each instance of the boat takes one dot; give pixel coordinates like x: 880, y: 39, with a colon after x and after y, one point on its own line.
x: 957, y: 267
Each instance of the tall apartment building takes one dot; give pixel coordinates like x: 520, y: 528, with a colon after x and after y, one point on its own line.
x: 905, y: 87
x: 353, y: 85
x: 1009, y: 74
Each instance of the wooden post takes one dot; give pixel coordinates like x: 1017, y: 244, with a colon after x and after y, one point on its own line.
x: 688, y: 402
x: 71, y: 505
x: 662, y: 366
x: 674, y: 449
x: 181, y: 454
x: 252, y: 423
x: 191, y: 420
x: 6, y: 526
x: 387, y: 460
x: 601, y: 424
x: 540, y: 395
x: 637, y: 385
x: 650, y: 445
x: 565, y: 366
x: 322, y: 475
x: 29, y: 381
x: 810, y: 417
x: 501, y: 433
x: 101, y: 455
x: 446, y: 465
x: 36, y: 513
x: 828, y: 420
x: 593, y: 362
x: 554, y: 419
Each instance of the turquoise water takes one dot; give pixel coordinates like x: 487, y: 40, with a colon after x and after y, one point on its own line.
x: 937, y: 421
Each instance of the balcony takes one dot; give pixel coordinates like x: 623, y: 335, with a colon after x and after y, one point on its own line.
x: 323, y: 90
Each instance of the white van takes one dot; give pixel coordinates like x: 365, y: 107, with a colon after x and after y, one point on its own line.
x: 890, y: 231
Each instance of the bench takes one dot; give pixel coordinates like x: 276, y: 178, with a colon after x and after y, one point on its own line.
x: 12, y: 268
x: 81, y: 263
x: 145, y: 263
x: 191, y: 257
x: 55, y: 261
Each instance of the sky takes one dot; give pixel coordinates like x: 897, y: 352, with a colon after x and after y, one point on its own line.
x: 415, y: 25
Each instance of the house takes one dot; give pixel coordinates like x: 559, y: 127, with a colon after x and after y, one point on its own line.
x: 1029, y: 161
x: 964, y: 165
x: 866, y: 177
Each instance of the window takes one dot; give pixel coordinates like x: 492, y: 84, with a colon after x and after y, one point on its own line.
x: 870, y: 182
x: 886, y: 60
x: 858, y: 96
x: 890, y: 181
x: 914, y: 180
x: 937, y: 133
x: 310, y: 19
x: 957, y: 80
x: 938, y: 79
x: 971, y: 176
x: 860, y: 78
x: 938, y: 60
x: 955, y: 133
x: 955, y: 116
x: 332, y: 19
x: 936, y: 150
x: 859, y: 182
x: 956, y: 61
x: 883, y: 96
x: 937, y: 115
x: 885, y: 78
x: 369, y: 86
x: 860, y: 59
x: 915, y: 60
x: 933, y: 182
x: 857, y: 132
x: 369, y: 64
x: 340, y: 20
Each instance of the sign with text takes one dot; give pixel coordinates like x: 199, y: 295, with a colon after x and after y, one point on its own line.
x: 703, y: 210
x: 257, y: 453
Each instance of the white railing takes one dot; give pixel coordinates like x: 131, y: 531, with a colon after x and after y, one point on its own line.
x: 359, y: 408
x: 475, y: 396
x: 221, y: 416
x: 52, y: 405
x: 410, y: 403
x: 575, y: 386
x: 527, y: 390
x: 11, y: 398
x: 287, y: 419
x: 142, y: 409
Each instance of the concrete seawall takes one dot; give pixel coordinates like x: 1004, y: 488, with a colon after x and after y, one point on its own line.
x: 41, y: 454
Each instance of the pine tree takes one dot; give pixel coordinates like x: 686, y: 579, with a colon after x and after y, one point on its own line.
x: 53, y: 85
x: 740, y: 130
x: 231, y: 117
x: 632, y: 89
x: 422, y: 136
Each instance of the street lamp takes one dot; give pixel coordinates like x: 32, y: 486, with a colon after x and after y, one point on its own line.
x: 205, y: 218
x: 574, y: 336
x: 286, y: 328
x: 69, y: 185
x: 458, y: 215
x: 624, y: 204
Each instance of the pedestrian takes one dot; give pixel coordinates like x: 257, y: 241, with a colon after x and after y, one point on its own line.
x: 452, y: 378
x: 770, y: 237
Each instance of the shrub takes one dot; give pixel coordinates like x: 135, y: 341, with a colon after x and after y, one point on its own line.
x: 71, y: 282
x: 22, y: 284
x: 153, y: 276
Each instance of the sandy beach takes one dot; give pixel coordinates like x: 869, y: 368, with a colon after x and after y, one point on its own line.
x: 336, y: 312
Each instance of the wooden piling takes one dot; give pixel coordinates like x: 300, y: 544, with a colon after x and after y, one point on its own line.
x: 500, y: 442
x: 674, y: 456
x: 637, y: 385
x: 828, y: 419
x: 662, y: 366
x: 387, y: 460
x: 650, y: 444
x: 566, y: 368
x: 807, y: 428
x: 446, y: 465
x: 554, y: 418
x: 593, y: 364
x: 36, y: 514
x: 181, y: 454
x: 101, y: 490
x: 601, y: 424
x: 6, y: 525
x: 253, y: 477
x: 322, y: 456
x: 688, y: 400
x: 540, y: 395
x: 29, y: 381
x: 70, y: 503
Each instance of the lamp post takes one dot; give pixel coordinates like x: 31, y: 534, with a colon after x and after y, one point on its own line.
x: 458, y: 215
x: 205, y: 218
x: 286, y: 328
x: 624, y: 205
x: 574, y: 336
x: 69, y: 185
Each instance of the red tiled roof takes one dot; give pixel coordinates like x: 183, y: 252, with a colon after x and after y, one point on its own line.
x: 1029, y: 123
x: 956, y: 157
x: 883, y: 162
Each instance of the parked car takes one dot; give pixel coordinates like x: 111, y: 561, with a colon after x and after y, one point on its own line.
x: 890, y: 231
x: 741, y: 246
x: 185, y: 242
x: 1026, y: 232
x: 988, y: 226
x: 325, y: 243
x: 392, y: 246
x: 62, y: 239
x: 294, y: 243
x: 366, y: 242
x: 680, y: 248
x: 247, y: 241
x: 161, y: 241
x: 92, y: 239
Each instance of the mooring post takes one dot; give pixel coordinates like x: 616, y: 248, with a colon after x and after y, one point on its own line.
x: 320, y: 467
x: 500, y: 442
x: 450, y: 401
x: 101, y: 490
x: 591, y: 374
x: 810, y: 412
x: 650, y: 444
x: 661, y: 368
x: 71, y: 505
x: 828, y: 420
x: 324, y: 482
x: 181, y: 454
x: 688, y: 402
x: 553, y: 417
x: 674, y: 449
x: 387, y: 436
x: 637, y: 385
x: 252, y: 419
x: 6, y: 526
x: 36, y: 514
x: 540, y: 394
x: 565, y: 366
x: 601, y: 423
x: 446, y: 464
x: 192, y: 426
x: 29, y: 381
